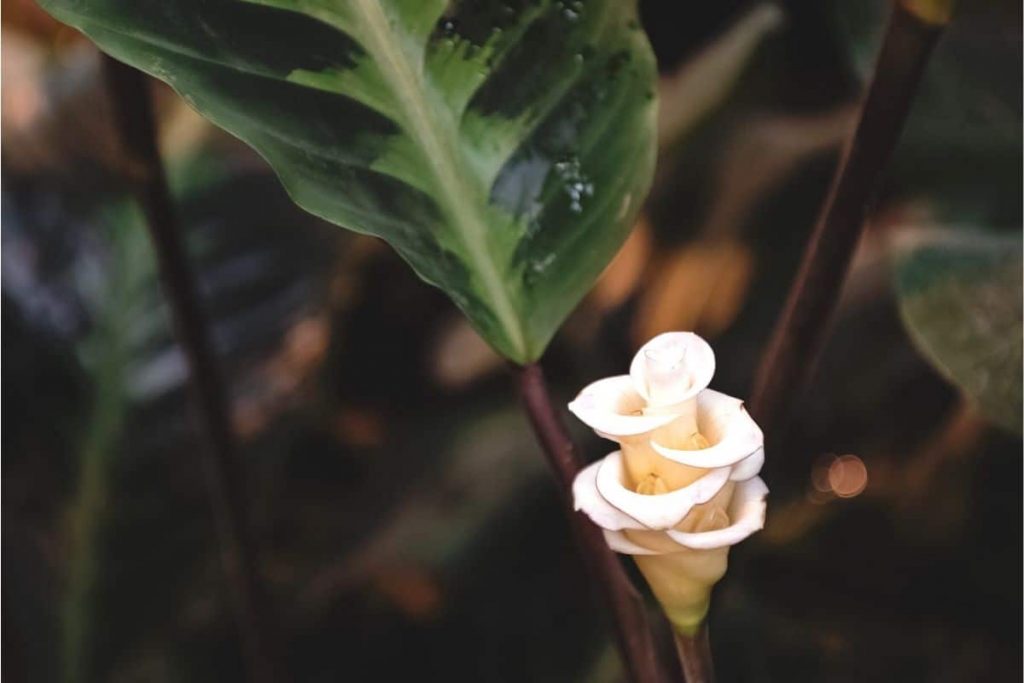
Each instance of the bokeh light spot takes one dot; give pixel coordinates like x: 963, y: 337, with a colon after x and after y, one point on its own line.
x: 848, y: 476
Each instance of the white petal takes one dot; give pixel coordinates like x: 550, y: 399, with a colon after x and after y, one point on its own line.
x: 692, y: 355
x: 606, y: 406
x: 748, y: 467
x: 661, y: 511
x: 618, y: 542
x: 587, y: 498
x: 747, y: 511
x: 726, y: 423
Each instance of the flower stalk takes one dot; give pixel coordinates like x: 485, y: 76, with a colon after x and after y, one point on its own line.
x: 695, y: 655
x: 914, y: 28
x: 632, y: 630
x: 145, y: 175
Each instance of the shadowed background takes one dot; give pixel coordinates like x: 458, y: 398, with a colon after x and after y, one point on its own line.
x: 407, y: 522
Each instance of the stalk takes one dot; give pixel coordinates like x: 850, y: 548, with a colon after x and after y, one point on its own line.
x: 695, y: 655
x: 144, y: 172
x: 90, y: 509
x: 632, y: 630
x: 914, y: 28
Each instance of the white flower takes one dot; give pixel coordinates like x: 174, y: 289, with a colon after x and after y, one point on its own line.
x: 684, y: 486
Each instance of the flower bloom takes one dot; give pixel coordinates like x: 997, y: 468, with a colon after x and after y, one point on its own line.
x: 683, y: 487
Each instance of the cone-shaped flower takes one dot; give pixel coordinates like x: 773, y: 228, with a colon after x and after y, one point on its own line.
x: 684, y: 486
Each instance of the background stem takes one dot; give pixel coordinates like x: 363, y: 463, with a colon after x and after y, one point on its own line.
x: 695, y: 655
x: 804, y: 323
x: 632, y: 629
x: 225, y: 481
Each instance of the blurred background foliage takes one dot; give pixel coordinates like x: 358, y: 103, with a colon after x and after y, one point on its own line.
x: 407, y: 523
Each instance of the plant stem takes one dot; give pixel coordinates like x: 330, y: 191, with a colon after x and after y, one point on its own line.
x: 695, y: 655
x: 106, y: 353
x: 225, y: 479
x: 804, y: 323
x: 633, y: 633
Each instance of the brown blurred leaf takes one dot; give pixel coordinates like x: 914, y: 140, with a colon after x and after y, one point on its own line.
x: 461, y: 356
x: 701, y: 287
x: 416, y: 593
x: 762, y: 155
x: 359, y: 427
x: 703, y: 82
x: 484, y: 471
x: 278, y: 380
x: 27, y: 17
x: 623, y: 274
x: 56, y: 112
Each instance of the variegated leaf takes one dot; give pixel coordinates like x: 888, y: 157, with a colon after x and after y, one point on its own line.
x: 503, y: 148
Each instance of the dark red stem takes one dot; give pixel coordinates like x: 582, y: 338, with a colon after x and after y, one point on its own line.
x: 130, y: 96
x: 804, y: 323
x: 632, y: 630
x: 695, y: 655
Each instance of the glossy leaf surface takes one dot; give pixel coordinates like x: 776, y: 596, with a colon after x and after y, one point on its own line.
x: 502, y: 148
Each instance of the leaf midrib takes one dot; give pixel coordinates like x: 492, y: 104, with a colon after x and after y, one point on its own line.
x: 437, y: 144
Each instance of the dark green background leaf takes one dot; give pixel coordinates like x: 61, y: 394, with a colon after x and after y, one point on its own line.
x: 962, y: 142
x: 502, y: 148
x: 960, y: 295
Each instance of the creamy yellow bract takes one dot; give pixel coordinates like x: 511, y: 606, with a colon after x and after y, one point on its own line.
x: 684, y: 486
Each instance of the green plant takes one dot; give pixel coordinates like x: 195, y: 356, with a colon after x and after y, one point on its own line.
x: 503, y: 151
x: 960, y: 297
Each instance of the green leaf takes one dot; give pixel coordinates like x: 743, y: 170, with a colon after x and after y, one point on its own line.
x: 503, y: 148
x: 960, y: 297
x: 119, y: 299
